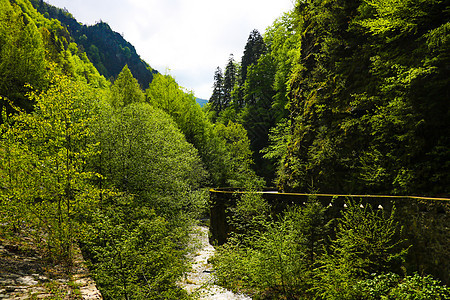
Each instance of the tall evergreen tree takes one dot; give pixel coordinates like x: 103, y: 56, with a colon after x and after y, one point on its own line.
x: 258, y: 116
x: 254, y: 48
x: 229, y: 80
x: 216, y: 99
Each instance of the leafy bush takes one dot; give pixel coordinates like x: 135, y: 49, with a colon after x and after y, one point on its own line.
x: 250, y: 216
x: 134, y: 253
x: 144, y: 153
x: 377, y: 287
x: 392, y: 286
x: 137, y: 237
x: 420, y: 288
x: 291, y: 258
x: 366, y: 242
x: 271, y: 258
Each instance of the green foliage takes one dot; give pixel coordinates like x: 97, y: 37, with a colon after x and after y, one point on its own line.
x: 108, y: 50
x: 278, y: 141
x: 233, y: 261
x: 420, y: 287
x: 392, y: 286
x: 125, y: 90
x: 238, y: 157
x: 366, y: 242
x: 230, y: 79
x: 245, y: 94
x: 224, y: 149
x: 69, y: 169
x: 137, y: 244
x: 366, y: 86
x: 250, y: 216
x: 165, y: 93
x: 22, y: 55
x: 254, y: 48
x: 272, y: 259
x: 43, y: 164
x: 299, y: 257
x: 216, y: 102
x: 31, y: 49
x: 284, y: 43
x: 143, y: 153
x: 289, y: 250
x: 394, y: 16
x: 366, y: 94
x: 135, y: 253
x: 378, y: 286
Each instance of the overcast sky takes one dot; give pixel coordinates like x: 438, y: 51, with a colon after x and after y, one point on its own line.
x: 188, y: 39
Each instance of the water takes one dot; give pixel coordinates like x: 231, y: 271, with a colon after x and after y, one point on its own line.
x: 200, y: 281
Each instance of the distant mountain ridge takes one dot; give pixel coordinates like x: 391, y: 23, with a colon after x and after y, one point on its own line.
x: 105, y: 48
x: 201, y: 102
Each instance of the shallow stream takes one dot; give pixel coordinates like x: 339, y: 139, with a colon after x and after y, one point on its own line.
x: 200, y: 281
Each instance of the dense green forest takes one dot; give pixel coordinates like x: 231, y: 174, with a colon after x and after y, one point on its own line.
x: 114, y: 157
x: 115, y: 168
x: 346, y: 97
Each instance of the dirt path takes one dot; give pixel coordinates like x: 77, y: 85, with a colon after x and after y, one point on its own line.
x: 200, y: 281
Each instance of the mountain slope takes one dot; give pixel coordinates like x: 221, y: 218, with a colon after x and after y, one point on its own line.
x: 106, y: 49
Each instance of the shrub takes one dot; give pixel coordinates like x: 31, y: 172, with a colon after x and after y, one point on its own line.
x: 393, y: 286
x: 366, y: 242
x: 271, y: 258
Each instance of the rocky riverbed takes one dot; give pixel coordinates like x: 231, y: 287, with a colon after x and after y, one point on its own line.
x: 200, y: 281
x: 26, y: 274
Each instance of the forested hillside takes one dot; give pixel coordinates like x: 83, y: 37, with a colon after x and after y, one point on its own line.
x: 346, y: 97
x: 30, y: 48
x: 106, y: 49
x: 117, y: 168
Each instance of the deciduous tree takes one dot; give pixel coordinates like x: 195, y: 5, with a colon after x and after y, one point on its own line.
x: 44, y: 163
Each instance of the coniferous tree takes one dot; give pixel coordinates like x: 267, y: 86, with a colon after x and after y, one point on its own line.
x: 258, y: 116
x: 229, y: 81
x: 126, y: 89
x: 367, y: 242
x: 216, y: 100
x: 254, y: 48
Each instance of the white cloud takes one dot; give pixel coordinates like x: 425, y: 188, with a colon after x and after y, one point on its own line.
x: 190, y: 37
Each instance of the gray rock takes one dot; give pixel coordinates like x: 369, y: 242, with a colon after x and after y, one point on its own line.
x: 27, y: 280
x: 6, y: 281
x: 10, y: 289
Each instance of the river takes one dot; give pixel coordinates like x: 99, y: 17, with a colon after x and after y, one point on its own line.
x: 200, y: 281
